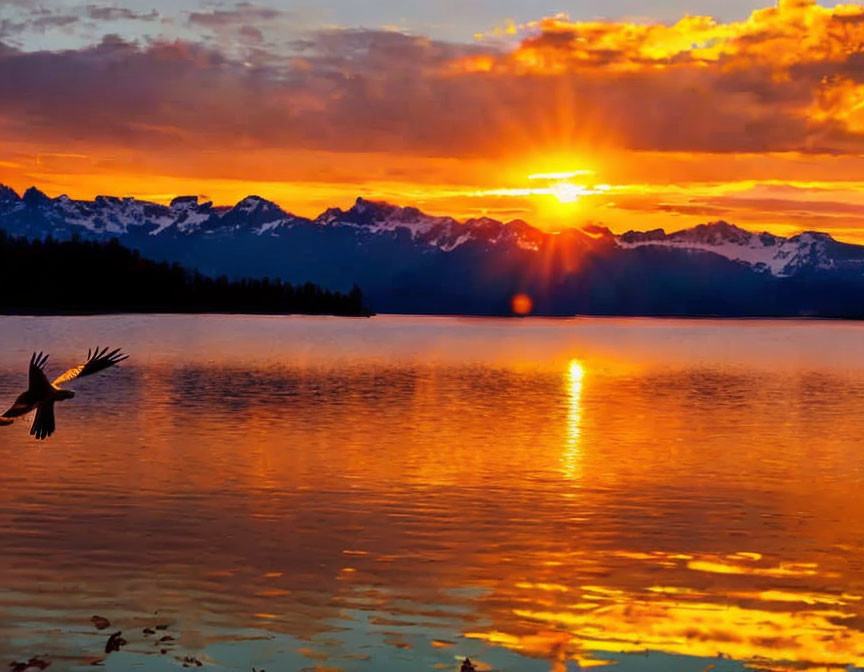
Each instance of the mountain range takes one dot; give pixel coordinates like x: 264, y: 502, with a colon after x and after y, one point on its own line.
x: 408, y: 261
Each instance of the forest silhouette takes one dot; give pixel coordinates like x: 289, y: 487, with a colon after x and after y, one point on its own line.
x: 78, y: 276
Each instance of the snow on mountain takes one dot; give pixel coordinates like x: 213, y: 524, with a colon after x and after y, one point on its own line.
x: 108, y: 216
x: 34, y: 214
x: 761, y: 251
x: 258, y: 216
x: 103, y: 216
x: 443, y: 233
x: 378, y: 217
x: 184, y: 212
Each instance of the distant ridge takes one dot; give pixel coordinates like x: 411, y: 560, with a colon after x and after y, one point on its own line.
x: 408, y: 261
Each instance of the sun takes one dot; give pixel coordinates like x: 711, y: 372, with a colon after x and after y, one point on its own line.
x: 566, y: 192
x: 556, y: 191
x: 564, y: 186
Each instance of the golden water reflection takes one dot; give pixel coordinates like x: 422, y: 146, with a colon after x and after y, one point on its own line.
x: 771, y: 628
x: 360, y: 495
x: 572, y: 457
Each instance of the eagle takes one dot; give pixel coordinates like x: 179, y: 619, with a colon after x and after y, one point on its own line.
x: 42, y: 395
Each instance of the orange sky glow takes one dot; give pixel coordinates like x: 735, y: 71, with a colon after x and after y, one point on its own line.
x: 560, y: 123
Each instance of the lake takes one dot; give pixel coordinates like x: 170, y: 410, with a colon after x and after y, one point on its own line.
x: 397, y: 493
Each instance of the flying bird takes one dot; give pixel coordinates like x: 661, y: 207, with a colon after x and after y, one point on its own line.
x: 42, y: 395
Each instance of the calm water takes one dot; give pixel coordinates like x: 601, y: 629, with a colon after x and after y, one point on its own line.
x: 394, y: 494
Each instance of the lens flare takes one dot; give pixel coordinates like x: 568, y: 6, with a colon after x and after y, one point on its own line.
x: 522, y: 304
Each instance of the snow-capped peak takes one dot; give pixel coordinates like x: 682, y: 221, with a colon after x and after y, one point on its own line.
x: 257, y: 215
x: 183, y: 202
x: 433, y: 231
x: 255, y: 203
x: 34, y: 214
x: 763, y: 251
x: 377, y: 217
x: 186, y: 214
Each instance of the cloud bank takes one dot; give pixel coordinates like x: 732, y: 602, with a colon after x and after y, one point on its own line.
x: 788, y: 80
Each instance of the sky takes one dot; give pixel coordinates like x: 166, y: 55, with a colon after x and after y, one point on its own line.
x: 631, y: 114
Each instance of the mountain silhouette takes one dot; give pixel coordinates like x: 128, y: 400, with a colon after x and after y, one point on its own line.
x: 411, y: 262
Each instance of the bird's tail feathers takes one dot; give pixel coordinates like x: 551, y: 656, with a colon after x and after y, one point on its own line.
x: 43, y: 423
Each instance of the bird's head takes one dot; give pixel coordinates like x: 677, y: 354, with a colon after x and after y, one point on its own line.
x: 63, y: 395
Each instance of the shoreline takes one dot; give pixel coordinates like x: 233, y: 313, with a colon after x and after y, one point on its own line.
x: 164, y: 311
x: 467, y: 316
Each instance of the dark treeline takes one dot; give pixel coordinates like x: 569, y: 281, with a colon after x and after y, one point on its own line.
x: 78, y: 276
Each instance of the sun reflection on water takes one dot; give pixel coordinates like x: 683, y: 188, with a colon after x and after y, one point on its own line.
x: 572, y: 457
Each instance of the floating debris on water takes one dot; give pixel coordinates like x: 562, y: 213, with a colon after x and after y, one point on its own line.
x: 114, y: 642
x: 467, y: 666
x: 189, y: 661
x: 35, y: 663
x: 101, y: 622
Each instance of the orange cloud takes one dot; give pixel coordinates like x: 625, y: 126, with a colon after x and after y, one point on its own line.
x: 670, y: 118
x: 793, y: 32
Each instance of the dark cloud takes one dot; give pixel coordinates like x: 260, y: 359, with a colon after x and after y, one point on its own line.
x: 37, y: 22
x: 32, y: 18
x: 690, y: 210
x: 341, y: 98
x: 247, y: 27
x: 785, y: 206
x: 376, y: 90
x: 722, y: 206
x: 112, y: 13
x: 51, y: 21
x: 243, y: 13
x: 251, y: 34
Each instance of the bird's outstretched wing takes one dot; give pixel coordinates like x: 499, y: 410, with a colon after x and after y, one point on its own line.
x: 97, y: 360
x: 38, y: 388
x: 43, y: 423
x: 38, y: 381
